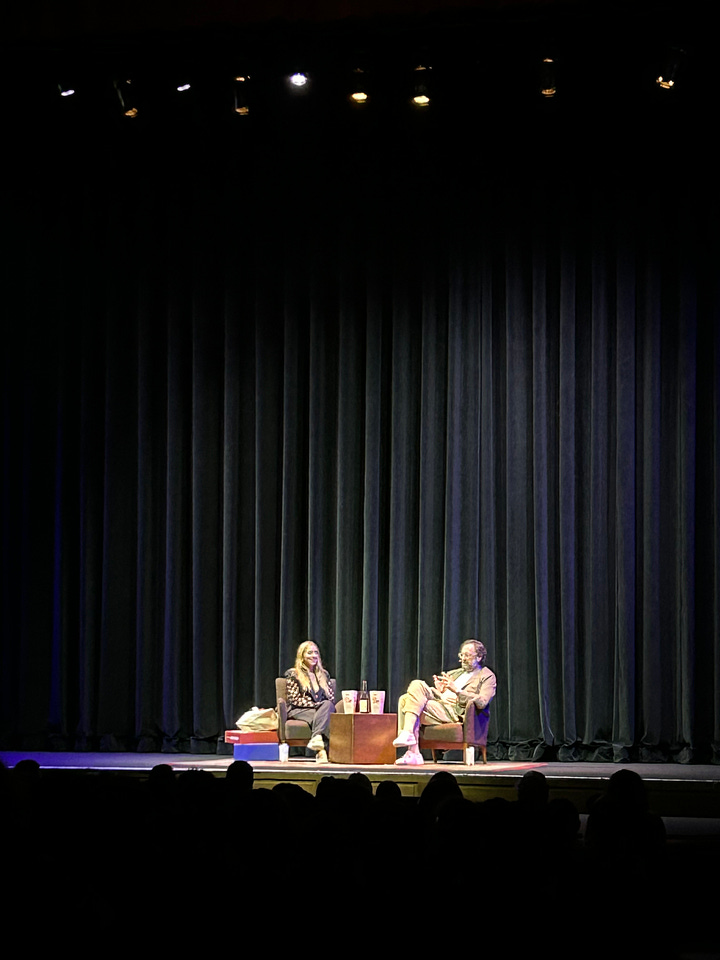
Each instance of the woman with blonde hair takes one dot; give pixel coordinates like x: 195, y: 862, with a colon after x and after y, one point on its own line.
x: 311, y: 696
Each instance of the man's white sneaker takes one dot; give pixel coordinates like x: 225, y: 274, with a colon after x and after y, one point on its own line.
x: 410, y: 759
x: 316, y: 742
x: 405, y: 739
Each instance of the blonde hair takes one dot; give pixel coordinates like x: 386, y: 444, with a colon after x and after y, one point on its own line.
x: 303, y: 674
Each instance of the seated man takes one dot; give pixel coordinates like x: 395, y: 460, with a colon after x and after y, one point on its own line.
x: 447, y: 701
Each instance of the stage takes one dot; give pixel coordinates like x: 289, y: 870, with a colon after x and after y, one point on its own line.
x: 676, y: 791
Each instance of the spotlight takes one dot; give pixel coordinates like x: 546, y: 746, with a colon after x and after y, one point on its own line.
x: 358, y: 93
x: 126, y: 98
x: 298, y: 83
x: 666, y: 80
x: 65, y: 90
x: 548, y: 87
x: 421, y: 95
x: 182, y: 87
x: 241, y: 87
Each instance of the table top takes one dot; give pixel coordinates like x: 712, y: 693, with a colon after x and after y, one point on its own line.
x: 357, y: 714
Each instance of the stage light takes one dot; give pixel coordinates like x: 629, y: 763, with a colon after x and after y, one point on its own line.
x: 421, y: 96
x: 65, y: 90
x: 666, y: 80
x: 299, y: 84
x: 126, y: 98
x: 358, y: 94
x: 182, y: 87
x: 241, y: 88
x: 548, y: 87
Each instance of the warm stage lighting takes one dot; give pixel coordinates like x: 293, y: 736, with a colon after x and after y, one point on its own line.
x: 357, y: 88
x: 548, y: 87
x: 421, y: 96
x: 241, y: 85
x: 666, y: 80
x: 126, y: 98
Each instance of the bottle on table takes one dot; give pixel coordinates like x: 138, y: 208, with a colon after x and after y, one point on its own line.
x: 364, y: 699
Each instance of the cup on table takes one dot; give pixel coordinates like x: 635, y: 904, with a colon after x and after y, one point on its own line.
x: 377, y: 701
x: 349, y: 700
x: 283, y: 752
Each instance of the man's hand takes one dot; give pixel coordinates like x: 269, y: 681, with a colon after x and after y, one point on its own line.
x: 449, y: 683
x: 440, y: 683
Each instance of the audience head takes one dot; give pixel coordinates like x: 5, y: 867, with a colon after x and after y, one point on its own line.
x: 240, y: 775
x: 162, y: 773
x: 388, y: 791
x: 27, y: 769
x: 627, y: 789
x: 441, y: 786
x: 360, y: 781
x: 533, y: 790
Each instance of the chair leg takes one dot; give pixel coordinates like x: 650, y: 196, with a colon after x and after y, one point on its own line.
x: 483, y: 750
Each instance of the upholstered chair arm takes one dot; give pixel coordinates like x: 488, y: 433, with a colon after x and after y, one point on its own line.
x: 281, y: 706
x: 476, y: 724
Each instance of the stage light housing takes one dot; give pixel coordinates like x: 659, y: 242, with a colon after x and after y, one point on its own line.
x: 548, y: 85
x: 298, y: 84
x: 358, y: 92
x: 126, y: 98
x: 241, y: 87
x: 421, y: 85
x: 667, y: 79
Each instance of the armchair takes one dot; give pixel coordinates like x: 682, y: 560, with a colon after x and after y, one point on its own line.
x: 296, y: 733
x: 458, y: 736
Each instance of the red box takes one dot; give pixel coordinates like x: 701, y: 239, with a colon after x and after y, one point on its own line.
x: 253, y: 736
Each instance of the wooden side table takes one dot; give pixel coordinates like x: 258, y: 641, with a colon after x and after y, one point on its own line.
x: 362, y: 737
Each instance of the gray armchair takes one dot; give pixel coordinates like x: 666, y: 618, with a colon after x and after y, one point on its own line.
x: 296, y: 733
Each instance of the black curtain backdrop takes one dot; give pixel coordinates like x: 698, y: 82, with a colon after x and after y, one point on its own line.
x: 387, y: 383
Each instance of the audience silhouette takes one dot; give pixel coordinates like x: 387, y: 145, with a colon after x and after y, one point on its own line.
x: 176, y: 833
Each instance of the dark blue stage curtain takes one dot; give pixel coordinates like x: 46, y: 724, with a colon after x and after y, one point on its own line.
x: 386, y: 398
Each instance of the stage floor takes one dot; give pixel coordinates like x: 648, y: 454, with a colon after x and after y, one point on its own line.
x: 675, y: 790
